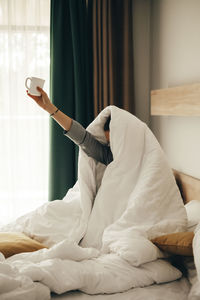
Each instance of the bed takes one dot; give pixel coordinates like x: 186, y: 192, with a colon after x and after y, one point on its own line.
x: 182, y: 101
x: 175, y: 290
x: 128, y: 250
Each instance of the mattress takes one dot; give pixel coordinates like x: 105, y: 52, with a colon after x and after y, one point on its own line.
x: 175, y: 290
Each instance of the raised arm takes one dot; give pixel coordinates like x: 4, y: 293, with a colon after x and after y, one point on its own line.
x: 75, y: 131
x: 44, y: 102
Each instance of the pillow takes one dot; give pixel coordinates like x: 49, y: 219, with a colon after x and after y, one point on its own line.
x: 179, y: 243
x: 15, y: 242
x: 193, y: 214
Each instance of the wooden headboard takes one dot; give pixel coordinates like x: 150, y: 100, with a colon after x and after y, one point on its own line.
x: 189, y: 186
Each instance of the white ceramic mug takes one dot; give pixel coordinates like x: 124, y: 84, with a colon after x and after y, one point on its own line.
x: 34, y: 82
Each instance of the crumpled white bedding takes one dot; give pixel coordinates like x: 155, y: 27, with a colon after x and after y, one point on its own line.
x: 99, y: 234
x: 174, y: 290
x: 14, y: 285
x: 195, y: 281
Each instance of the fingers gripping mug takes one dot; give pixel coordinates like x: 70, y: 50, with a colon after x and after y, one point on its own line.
x: 34, y: 82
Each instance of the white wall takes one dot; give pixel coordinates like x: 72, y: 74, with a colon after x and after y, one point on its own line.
x: 175, y: 60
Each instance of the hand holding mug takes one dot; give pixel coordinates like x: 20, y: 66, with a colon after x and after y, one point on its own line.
x: 43, y: 100
x: 38, y: 94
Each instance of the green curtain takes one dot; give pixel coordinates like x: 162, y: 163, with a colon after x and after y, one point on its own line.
x: 71, y: 85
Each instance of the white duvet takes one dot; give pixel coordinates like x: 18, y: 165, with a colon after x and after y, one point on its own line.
x: 99, y: 234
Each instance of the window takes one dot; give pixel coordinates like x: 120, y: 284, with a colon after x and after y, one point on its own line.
x: 24, y: 132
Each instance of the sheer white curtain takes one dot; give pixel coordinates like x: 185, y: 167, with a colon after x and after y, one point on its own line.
x: 24, y: 137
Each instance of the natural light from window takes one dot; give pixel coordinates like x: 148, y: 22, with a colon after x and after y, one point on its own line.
x: 24, y: 127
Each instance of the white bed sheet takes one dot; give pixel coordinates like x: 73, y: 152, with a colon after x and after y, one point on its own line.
x: 175, y: 290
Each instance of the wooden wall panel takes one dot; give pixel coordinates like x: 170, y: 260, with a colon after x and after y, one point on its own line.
x: 176, y: 101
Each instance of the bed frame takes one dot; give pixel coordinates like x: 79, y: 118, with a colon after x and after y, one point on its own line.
x: 189, y: 186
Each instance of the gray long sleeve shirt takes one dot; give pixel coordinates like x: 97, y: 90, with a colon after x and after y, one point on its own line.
x: 88, y: 143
